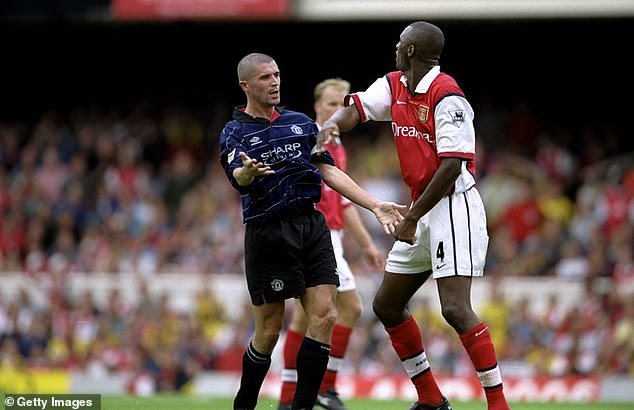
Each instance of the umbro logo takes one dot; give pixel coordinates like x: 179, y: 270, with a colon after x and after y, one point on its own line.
x: 255, y: 140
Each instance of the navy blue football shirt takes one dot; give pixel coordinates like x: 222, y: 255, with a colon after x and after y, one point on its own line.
x: 285, y: 144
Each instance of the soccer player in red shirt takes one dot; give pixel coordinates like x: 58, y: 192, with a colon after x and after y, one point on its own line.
x: 444, y: 234
x: 339, y: 213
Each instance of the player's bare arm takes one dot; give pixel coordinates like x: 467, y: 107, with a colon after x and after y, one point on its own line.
x: 344, y: 119
x: 250, y: 169
x: 389, y: 214
x: 440, y: 184
x: 355, y: 226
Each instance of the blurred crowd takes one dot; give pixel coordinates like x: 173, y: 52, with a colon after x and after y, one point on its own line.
x: 139, y: 191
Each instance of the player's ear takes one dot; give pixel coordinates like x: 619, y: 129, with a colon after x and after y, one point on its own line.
x: 411, y: 50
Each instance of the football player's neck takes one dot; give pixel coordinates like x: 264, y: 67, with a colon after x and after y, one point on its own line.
x: 260, y: 110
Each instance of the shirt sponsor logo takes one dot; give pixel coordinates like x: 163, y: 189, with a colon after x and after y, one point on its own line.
x: 282, y: 153
x: 410, y: 132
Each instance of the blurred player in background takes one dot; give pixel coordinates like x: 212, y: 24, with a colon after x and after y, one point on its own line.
x: 444, y: 234
x: 268, y: 156
x: 339, y: 213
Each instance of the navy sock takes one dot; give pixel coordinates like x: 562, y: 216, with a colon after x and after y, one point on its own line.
x: 255, y: 365
x: 312, y: 360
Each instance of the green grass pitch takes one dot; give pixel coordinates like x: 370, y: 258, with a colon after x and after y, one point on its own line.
x: 168, y: 402
x: 187, y: 402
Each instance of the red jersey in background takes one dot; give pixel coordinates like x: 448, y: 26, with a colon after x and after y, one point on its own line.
x: 332, y: 203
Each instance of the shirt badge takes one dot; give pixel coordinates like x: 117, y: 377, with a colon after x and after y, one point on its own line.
x: 277, y: 285
x: 422, y: 113
x: 457, y: 117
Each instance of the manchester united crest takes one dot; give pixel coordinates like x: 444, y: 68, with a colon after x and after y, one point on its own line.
x: 422, y: 113
x: 277, y: 285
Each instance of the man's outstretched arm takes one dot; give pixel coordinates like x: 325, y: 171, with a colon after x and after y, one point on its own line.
x: 389, y: 214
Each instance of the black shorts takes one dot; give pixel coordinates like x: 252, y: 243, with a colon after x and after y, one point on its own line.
x: 287, y: 254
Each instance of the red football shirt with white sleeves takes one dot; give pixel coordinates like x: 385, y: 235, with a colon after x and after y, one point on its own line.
x: 332, y: 203
x: 434, y: 122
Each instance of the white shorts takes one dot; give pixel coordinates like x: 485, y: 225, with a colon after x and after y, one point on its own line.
x: 451, y: 240
x: 346, y: 278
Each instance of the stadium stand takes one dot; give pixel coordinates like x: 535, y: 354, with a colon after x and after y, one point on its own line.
x: 107, y: 214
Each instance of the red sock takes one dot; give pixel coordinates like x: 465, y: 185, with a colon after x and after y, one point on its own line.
x: 289, y: 373
x: 338, y: 347
x: 477, y: 343
x: 408, y: 344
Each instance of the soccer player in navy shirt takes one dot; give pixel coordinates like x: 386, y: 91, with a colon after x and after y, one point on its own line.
x: 269, y: 156
x: 444, y: 234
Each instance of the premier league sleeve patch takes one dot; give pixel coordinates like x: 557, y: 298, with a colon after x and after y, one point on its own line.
x: 457, y: 117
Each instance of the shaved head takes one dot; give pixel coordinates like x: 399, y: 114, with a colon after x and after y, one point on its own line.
x: 246, y: 66
x: 428, y: 40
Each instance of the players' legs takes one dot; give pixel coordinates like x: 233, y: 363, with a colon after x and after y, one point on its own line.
x: 461, y: 251
x: 390, y: 306
x: 294, y: 338
x: 392, y: 297
x: 349, y: 310
x: 349, y: 307
x: 455, y: 299
x: 256, y: 361
x: 321, y: 312
x: 269, y: 319
x: 298, y: 323
x: 312, y: 357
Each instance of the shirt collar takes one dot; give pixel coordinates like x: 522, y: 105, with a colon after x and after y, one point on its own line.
x: 240, y: 114
x: 425, y: 82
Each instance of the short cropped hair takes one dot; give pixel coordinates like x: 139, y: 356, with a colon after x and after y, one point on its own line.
x: 245, y: 66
